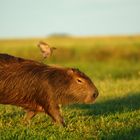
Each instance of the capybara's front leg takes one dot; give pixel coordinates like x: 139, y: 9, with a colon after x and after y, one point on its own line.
x: 55, y: 114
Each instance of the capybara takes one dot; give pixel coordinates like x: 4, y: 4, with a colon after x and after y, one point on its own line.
x: 41, y: 88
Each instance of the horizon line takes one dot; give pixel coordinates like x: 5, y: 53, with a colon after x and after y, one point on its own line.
x: 65, y: 35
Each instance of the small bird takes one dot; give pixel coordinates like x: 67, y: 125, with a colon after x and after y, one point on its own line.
x: 45, y: 49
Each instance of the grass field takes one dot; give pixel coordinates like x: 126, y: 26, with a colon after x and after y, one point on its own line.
x: 113, y: 63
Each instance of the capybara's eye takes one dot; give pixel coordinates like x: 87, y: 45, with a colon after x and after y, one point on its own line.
x: 79, y: 80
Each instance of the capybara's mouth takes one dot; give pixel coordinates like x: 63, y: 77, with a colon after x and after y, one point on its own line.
x: 90, y: 101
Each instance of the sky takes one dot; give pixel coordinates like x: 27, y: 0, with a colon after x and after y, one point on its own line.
x: 40, y: 18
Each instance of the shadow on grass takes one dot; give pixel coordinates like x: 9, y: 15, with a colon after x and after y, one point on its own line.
x: 127, y: 103
x: 131, y: 134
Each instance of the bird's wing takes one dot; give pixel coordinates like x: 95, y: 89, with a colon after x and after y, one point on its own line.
x: 44, y: 48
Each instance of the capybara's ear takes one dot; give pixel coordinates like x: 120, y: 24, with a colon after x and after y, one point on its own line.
x: 70, y: 72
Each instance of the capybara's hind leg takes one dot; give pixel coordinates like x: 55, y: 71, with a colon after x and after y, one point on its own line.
x: 29, y: 115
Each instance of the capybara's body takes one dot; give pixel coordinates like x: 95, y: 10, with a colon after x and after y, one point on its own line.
x: 39, y: 87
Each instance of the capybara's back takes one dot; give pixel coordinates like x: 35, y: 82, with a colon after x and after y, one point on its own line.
x: 6, y: 58
x: 39, y: 87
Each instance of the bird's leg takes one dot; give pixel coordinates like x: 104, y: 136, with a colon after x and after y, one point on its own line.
x: 42, y: 60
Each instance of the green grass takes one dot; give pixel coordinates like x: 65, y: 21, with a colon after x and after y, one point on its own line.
x: 114, y: 66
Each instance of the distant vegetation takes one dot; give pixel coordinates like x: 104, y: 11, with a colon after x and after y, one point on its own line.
x: 59, y: 35
x: 113, y: 63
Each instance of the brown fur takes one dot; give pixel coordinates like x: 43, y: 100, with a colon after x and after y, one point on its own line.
x: 39, y: 87
x: 6, y: 58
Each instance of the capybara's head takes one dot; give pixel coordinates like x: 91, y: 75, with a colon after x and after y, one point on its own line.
x: 72, y: 86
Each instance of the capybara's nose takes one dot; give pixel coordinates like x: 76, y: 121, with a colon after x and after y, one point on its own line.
x: 95, y: 94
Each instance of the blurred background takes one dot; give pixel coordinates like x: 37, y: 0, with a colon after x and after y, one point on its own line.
x: 101, y: 37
